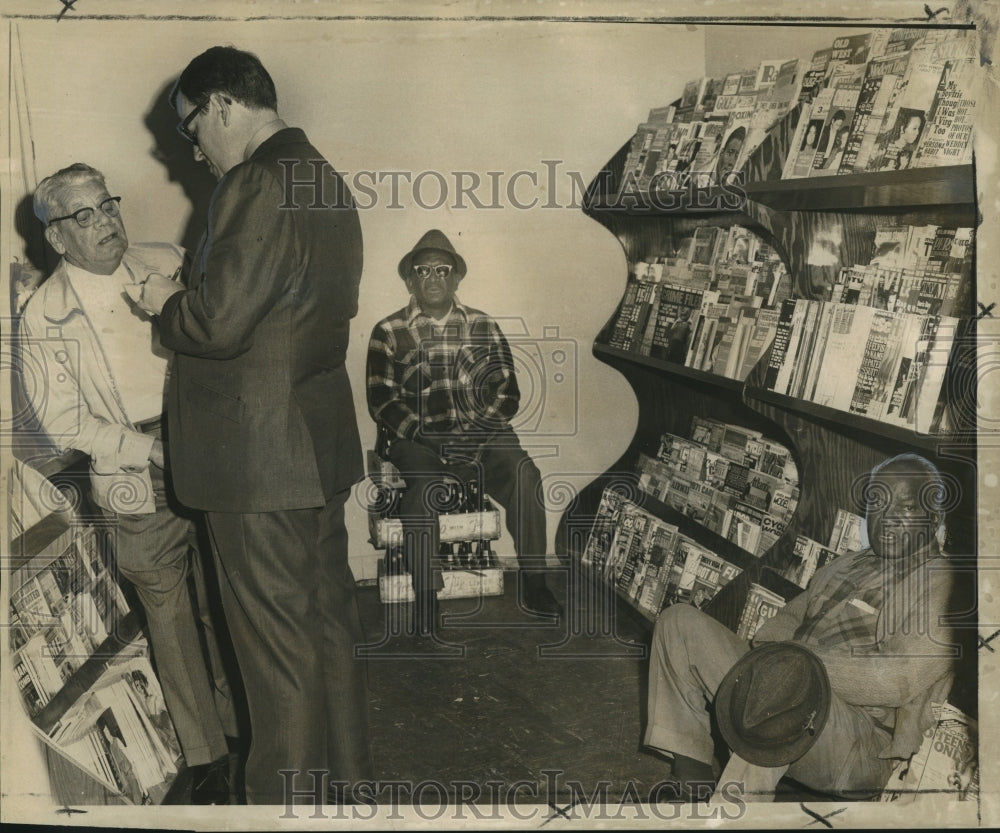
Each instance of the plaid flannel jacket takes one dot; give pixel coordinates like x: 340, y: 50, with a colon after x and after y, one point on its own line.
x: 429, y: 380
x: 881, y: 634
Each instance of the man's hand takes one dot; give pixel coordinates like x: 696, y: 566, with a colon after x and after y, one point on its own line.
x: 152, y: 294
x: 156, y: 455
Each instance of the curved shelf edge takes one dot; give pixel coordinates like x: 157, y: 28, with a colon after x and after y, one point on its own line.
x: 846, y: 422
x: 948, y: 185
x: 722, y: 382
x: 916, y: 187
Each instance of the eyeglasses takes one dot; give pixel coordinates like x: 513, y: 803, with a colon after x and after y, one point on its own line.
x: 442, y: 271
x: 85, y: 216
x: 184, y: 128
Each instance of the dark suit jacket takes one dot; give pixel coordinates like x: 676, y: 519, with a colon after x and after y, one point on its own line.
x: 260, y: 412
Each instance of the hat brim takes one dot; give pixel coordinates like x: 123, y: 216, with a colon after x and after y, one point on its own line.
x: 778, y: 754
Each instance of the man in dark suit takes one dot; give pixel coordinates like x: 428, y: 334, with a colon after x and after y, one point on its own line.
x: 263, y: 431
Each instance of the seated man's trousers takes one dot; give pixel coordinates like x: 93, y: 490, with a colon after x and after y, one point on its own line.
x: 691, y: 653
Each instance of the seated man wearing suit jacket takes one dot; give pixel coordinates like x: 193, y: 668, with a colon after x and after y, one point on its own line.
x: 874, y: 618
x: 104, y: 396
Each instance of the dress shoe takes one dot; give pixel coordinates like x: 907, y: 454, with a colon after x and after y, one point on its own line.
x: 210, y: 782
x: 538, y: 598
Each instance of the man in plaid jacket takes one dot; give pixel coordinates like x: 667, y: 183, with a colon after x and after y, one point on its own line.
x: 875, y: 620
x: 442, y: 389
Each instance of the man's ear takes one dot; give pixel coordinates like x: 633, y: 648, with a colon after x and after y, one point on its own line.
x: 223, y: 104
x: 55, y: 239
x: 409, y: 284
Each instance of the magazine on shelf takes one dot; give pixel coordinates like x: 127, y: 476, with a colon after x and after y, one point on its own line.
x: 758, y: 340
x: 814, y: 77
x: 743, y: 526
x: 885, y: 349
x: 672, y: 325
x: 947, y: 139
x: 651, y: 591
x: 628, y: 545
x: 808, y: 557
x: 602, y: 531
x: 761, y: 605
x: 849, y: 533
x: 905, y: 119
x: 805, y: 142
x: 837, y: 369
x: 882, y: 78
x: 836, y: 129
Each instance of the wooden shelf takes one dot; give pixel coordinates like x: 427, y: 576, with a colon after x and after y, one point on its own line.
x: 691, y: 200
x: 951, y: 185
x: 846, y: 422
x: 672, y: 368
x: 33, y: 541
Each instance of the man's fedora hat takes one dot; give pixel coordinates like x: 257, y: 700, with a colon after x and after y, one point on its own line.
x: 434, y: 239
x: 773, y: 703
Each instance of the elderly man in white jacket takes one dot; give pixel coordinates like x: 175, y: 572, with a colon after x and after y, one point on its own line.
x: 103, y: 395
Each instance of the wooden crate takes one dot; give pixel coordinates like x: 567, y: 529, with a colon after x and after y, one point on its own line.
x: 462, y: 526
x: 458, y: 584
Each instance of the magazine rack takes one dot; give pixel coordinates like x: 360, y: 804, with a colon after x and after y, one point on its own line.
x: 81, y: 661
x: 833, y: 450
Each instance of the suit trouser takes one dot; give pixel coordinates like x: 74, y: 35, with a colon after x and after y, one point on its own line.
x: 289, y: 597
x: 156, y: 553
x: 506, y: 473
x: 691, y: 653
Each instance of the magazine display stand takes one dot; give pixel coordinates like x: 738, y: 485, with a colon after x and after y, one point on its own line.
x: 833, y: 449
x: 78, y: 652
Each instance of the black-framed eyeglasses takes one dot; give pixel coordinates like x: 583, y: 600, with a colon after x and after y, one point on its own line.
x: 442, y: 271
x: 85, y: 216
x: 184, y: 128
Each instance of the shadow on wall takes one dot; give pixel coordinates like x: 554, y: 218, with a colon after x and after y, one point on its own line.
x: 177, y: 156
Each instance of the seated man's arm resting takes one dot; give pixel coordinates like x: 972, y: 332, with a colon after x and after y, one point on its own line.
x: 65, y: 417
x: 914, y: 651
x: 385, y: 401
x: 498, y: 393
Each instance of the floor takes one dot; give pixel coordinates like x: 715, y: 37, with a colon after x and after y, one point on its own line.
x: 507, y: 706
x: 511, y: 697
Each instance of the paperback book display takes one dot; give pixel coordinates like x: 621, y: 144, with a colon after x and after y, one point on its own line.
x: 885, y: 366
x: 728, y: 478
x: 648, y: 560
x: 712, y: 306
x: 120, y: 733
x: 879, y: 101
x: 880, y: 346
x: 65, y: 606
